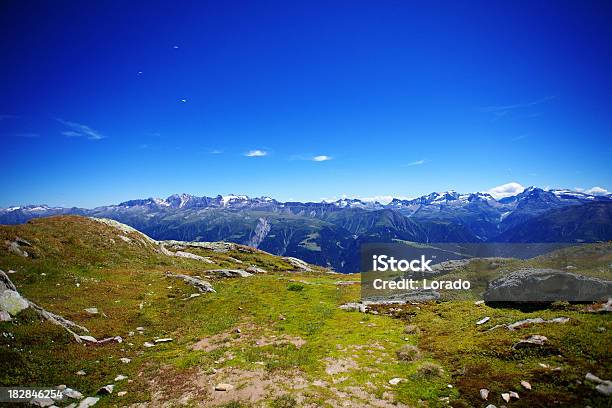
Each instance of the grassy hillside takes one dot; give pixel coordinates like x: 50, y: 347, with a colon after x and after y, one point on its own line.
x: 279, y: 338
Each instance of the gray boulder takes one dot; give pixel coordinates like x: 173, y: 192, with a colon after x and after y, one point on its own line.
x: 547, y: 285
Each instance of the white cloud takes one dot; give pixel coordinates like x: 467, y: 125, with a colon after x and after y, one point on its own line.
x: 215, y: 151
x: 256, y: 153
x: 417, y: 162
x: 506, y: 190
x: 593, y: 190
x: 321, y: 158
x: 80, y: 130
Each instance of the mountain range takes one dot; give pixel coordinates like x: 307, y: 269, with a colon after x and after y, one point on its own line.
x: 331, y: 233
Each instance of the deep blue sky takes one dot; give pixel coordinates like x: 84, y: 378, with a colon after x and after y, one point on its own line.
x: 404, y: 97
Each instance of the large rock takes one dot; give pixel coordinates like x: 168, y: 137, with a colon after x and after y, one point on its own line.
x: 12, y: 302
x: 547, y: 285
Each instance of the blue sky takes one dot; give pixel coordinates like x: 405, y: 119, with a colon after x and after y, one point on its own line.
x: 114, y: 101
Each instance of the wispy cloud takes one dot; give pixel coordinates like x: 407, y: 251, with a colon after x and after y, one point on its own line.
x: 256, y: 153
x: 215, y: 151
x: 416, y: 163
x: 501, y: 111
x: 506, y: 190
x: 321, y: 158
x: 80, y: 130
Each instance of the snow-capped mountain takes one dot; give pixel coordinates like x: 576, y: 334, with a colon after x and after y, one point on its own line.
x: 330, y: 233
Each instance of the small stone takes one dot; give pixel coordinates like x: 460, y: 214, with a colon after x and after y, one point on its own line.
x: 125, y: 360
x: 535, y: 340
x: 62, y: 387
x: 42, y: 402
x: 238, y: 331
x: 490, y: 406
x: 147, y: 344
x: 281, y: 317
x: 164, y: 340
x: 92, y: 310
x: 106, y: 390
x: 605, y: 388
x: 70, y: 393
x: 89, y: 339
x: 506, y: 396
x: 395, y: 381
x: 526, y: 385
x: 120, y: 377
x: 121, y: 393
x: 224, y: 387
x: 80, y: 372
x: 514, y: 394
x: 479, y: 302
x: 140, y: 328
x: 483, y: 320
x: 5, y: 316
x: 484, y: 394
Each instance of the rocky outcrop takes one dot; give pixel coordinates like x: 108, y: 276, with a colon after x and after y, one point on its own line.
x: 547, y: 285
x: 12, y: 302
x: 298, y: 263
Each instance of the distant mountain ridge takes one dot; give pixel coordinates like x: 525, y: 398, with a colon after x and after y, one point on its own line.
x: 330, y: 233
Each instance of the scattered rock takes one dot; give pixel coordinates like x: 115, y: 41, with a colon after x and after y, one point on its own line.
x: 121, y: 393
x: 255, y: 269
x: 80, y: 372
x: 395, y: 381
x: 479, y: 302
x: 198, y: 283
x: 88, y: 402
x: 483, y: 320
x: 147, y: 344
x: 106, y: 390
x: 224, y: 387
x: 89, y: 339
x: 484, y: 394
x: 603, y: 386
x: 16, y: 249
x: 490, y: 406
x: 12, y: 302
x: 5, y: 316
x: 354, y: 307
x: 526, y: 385
x: 120, y: 377
x: 125, y: 360
x: 531, y: 341
x: 92, y: 310
x: 298, y: 263
x: 546, y: 285
x: 164, y: 340
x: 6, y: 286
x: 70, y: 393
x: 230, y: 273
x: 506, y: 396
x: 412, y: 329
x: 524, y: 323
x: 514, y: 394
x: 42, y: 402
